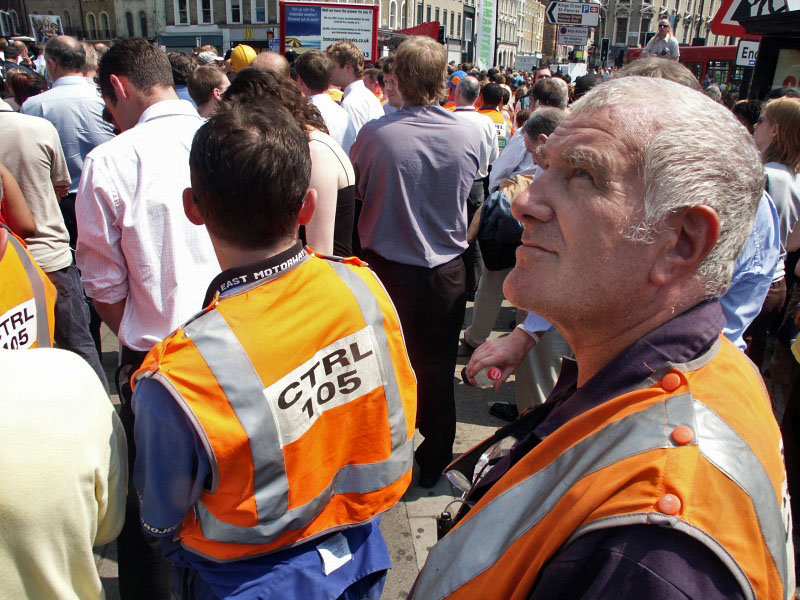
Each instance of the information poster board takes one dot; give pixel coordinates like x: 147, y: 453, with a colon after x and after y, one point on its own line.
x: 315, y: 26
x: 45, y: 27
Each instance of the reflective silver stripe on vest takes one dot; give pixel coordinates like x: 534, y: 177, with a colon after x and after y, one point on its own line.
x: 350, y: 479
x: 479, y: 542
x: 724, y: 449
x: 372, y: 314
x: 241, y: 384
x: 39, y: 295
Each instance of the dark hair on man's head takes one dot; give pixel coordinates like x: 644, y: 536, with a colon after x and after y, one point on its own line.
x: 783, y: 92
x: 24, y: 84
x: 506, y: 95
x: 250, y: 84
x: 492, y: 94
x: 11, y: 53
x: 550, y: 92
x: 521, y: 117
x: 250, y: 168
x: 202, y: 82
x: 749, y: 111
x: 182, y: 67
x: 388, y: 65
x: 66, y: 52
x: 315, y: 69
x: 143, y: 64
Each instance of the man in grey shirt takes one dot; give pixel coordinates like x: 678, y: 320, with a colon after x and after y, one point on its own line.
x: 414, y: 170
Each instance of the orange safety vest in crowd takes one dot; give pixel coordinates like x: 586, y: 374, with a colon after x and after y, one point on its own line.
x: 27, y: 298
x: 301, y: 390
x: 501, y: 125
x: 450, y: 105
x: 696, y: 449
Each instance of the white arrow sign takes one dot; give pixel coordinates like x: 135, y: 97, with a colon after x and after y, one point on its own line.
x: 573, y: 13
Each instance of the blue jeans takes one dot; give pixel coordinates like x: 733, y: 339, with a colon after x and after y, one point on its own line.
x: 72, y: 319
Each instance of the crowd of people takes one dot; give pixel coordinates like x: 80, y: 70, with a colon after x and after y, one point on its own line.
x: 285, y: 246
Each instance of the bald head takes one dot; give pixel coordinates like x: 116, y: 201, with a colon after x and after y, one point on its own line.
x: 467, y: 91
x: 272, y: 61
x: 64, y: 56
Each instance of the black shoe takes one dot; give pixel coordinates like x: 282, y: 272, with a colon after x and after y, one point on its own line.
x: 465, y: 350
x: 428, y: 478
x: 505, y: 411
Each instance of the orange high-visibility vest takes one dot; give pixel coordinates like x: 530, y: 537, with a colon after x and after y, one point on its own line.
x: 301, y: 390
x: 501, y: 125
x: 696, y: 449
x: 27, y: 298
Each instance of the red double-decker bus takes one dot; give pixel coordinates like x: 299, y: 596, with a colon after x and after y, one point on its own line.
x: 718, y: 63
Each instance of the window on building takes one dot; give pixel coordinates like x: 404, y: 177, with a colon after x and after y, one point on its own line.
x: 428, y: 14
x: 621, y: 35
x: 234, y: 11
x: 129, y: 24
x: 258, y: 11
x: 392, y: 15
x: 643, y: 31
x: 204, y: 12
x: 458, y: 27
x: 15, y: 21
x: 419, y: 13
x: 181, y: 8
x: 468, y: 28
x: 437, y: 14
x: 5, y: 23
x: 143, y: 23
x: 403, y: 16
x: 452, y: 22
x: 66, y: 21
x: 444, y: 23
x: 91, y: 26
x: 105, y: 26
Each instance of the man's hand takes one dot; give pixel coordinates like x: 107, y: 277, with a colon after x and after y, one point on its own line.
x: 505, y: 353
x: 61, y: 190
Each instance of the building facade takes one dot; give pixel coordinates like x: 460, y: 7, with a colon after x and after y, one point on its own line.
x: 13, y: 18
x: 531, y: 28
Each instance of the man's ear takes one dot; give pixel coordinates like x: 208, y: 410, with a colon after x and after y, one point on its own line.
x: 689, y: 236
x: 191, y: 209
x: 541, y: 139
x: 120, y: 85
x: 217, y: 93
x: 309, y: 205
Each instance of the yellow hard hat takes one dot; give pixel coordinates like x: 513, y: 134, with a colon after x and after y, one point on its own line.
x: 241, y: 57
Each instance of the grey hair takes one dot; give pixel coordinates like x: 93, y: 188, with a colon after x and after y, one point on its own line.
x: 470, y: 88
x: 690, y: 151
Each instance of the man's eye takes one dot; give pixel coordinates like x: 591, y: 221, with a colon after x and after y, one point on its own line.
x: 581, y: 173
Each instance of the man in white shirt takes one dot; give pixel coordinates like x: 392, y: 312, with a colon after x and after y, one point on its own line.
x: 348, y: 71
x: 314, y: 71
x: 663, y: 44
x: 75, y: 108
x: 465, y: 95
x: 143, y: 263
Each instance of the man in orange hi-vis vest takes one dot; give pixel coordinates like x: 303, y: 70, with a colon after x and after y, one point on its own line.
x: 490, y: 99
x: 273, y: 428
x: 27, y: 298
x: 654, y: 469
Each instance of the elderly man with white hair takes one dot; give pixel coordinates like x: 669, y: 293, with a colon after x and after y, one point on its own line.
x: 654, y: 469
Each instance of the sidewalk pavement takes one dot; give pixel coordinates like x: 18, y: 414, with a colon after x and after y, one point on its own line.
x: 409, y: 527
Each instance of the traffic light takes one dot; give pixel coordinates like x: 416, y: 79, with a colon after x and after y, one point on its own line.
x: 440, y: 37
x: 604, y: 45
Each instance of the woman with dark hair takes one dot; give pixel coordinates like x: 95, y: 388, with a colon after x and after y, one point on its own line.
x: 331, y: 228
x: 23, y: 84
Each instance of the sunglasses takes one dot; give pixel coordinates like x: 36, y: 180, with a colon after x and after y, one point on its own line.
x: 662, y: 26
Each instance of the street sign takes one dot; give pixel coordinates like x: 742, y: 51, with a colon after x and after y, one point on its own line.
x: 573, y: 36
x: 726, y: 21
x: 573, y: 13
x: 747, y: 53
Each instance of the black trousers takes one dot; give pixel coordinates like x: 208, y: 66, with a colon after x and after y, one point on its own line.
x: 431, y: 304
x: 472, y: 254
x: 144, y: 573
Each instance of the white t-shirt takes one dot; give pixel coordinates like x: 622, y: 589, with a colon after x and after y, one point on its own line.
x: 666, y: 48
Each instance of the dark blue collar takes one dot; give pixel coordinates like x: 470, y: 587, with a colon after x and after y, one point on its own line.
x: 679, y: 340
